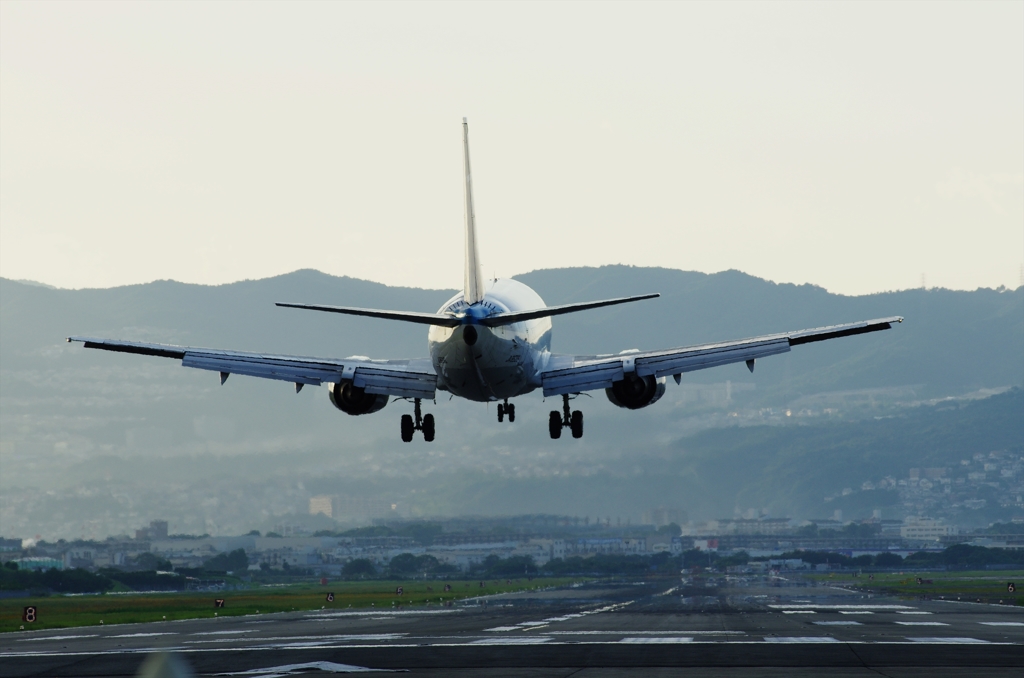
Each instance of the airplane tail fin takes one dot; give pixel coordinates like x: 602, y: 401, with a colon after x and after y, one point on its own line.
x: 473, y: 286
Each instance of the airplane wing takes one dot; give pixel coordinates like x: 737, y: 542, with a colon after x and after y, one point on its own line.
x: 399, y: 378
x: 575, y: 374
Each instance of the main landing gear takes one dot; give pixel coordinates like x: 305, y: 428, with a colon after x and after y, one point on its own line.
x: 423, y: 422
x: 506, y: 409
x: 565, y: 419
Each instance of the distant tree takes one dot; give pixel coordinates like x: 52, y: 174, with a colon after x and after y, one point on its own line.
x: 11, y: 565
x: 360, y: 567
x: 888, y: 560
x: 808, y: 530
x: 228, y: 562
x: 671, y: 530
x: 252, y: 533
x: 264, y: 567
x: 403, y: 564
x: 151, y: 561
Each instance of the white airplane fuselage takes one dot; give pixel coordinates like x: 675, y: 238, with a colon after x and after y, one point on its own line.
x: 491, y: 363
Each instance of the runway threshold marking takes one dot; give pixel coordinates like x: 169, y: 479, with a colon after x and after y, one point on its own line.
x: 800, y: 639
x: 922, y: 623
x: 838, y: 623
x: 1002, y: 623
x: 293, y: 669
x: 511, y: 640
x: 812, y: 606
x: 950, y: 641
x: 648, y: 640
x: 649, y: 633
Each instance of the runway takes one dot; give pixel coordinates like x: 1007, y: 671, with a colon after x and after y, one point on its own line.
x: 735, y: 628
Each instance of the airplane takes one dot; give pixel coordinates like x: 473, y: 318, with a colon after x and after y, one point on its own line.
x: 490, y: 342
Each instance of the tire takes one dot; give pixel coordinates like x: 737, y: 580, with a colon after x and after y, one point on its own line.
x: 511, y: 411
x: 555, y: 425
x: 576, y: 424
x: 428, y: 427
x: 501, y: 412
x: 407, y: 428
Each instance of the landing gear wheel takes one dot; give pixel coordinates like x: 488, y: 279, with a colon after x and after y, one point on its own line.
x: 407, y: 428
x: 576, y: 424
x: 501, y: 412
x: 428, y: 427
x: 555, y: 425
x: 510, y: 410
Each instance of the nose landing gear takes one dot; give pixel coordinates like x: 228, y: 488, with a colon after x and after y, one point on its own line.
x: 506, y: 409
x: 422, y: 422
x: 573, y: 420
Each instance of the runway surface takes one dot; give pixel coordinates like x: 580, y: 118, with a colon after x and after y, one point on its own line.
x: 733, y: 628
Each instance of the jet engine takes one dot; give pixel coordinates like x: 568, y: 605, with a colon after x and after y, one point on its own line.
x: 634, y: 392
x: 352, y: 399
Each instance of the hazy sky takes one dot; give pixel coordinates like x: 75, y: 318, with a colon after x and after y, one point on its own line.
x: 855, y: 146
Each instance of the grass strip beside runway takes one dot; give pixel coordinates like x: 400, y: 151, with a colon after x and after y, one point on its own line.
x: 67, y: 611
x: 987, y: 586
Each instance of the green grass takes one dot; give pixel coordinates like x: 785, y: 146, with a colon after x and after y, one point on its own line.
x: 62, y: 611
x: 985, y: 585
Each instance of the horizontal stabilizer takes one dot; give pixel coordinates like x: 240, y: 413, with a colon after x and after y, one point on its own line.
x: 519, y: 316
x: 407, y: 316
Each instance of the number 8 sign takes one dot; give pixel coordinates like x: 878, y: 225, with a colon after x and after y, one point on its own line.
x: 28, y: 614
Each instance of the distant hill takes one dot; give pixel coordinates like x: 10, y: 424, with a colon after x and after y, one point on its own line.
x: 75, y: 421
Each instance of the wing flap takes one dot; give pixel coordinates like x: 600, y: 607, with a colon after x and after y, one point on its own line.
x: 396, y: 383
x: 587, y: 377
x: 400, y: 378
x: 586, y: 374
x: 282, y: 369
x: 712, y: 356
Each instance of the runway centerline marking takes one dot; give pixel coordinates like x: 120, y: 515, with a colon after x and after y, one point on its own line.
x: 29, y: 640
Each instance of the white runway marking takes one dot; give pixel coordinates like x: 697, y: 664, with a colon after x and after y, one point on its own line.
x: 503, y: 629
x: 800, y: 639
x: 838, y: 623
x: 645, y: 633
x: 25, y: 640
x: 985, y: 623
x: 222, y: 633
x: 656, y: 641
x: 840, y: 607
x: 855, y: 612
x: 143, y: 635
x: 799, y: 612
x: 914, y: 612
x: 950, y: 641
x: 512, y: 640
x: 293, y: 669
x: 922, y: 623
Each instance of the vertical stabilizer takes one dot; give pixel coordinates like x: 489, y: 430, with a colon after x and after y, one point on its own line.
x: 473, y: 287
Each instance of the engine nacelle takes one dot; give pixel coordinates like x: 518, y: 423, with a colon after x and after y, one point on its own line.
x: 352, y: 399
x: 634, y: 392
